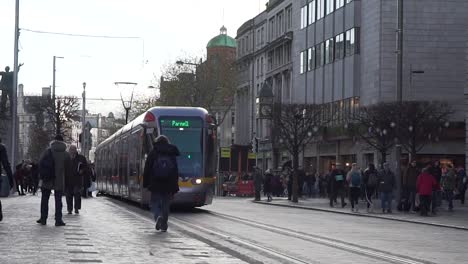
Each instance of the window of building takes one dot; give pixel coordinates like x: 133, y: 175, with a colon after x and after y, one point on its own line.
x: 287, y: 53
x: 320, y: 9
x: 320, y: 55
x: 262, y: 35
x: 339, y: 46
x: 352, y: 40
x: 258, y: 37
x: 330, y: 6
x: 247, y: 44
x: 279, y: 24
x: 303, y: 17
x: 288, y: 18
x: 302, y: 59
x: 311, y: 59
x: 339, y: 4
x: 270, y: 60
x: 329, y: 50
x: 312, y: 12
x: 261, y: 65
x: 272, y: 29
x: 348, y: 1
x: 258, y: 67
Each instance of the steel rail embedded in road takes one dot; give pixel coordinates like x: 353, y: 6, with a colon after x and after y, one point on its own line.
x: 194, y: 229
x: 333, y: 243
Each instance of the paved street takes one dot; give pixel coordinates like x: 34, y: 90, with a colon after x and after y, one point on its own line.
x: 458, y: 218
x: 232, y: 230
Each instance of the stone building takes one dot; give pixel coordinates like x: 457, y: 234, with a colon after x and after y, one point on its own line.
x: 343, y: 56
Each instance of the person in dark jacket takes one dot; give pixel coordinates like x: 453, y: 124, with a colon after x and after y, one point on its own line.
x: 267, y: 184
x: 57, y: 163
x: 462, y: 183
x: 74, y: 186
x: 370, y: 180
x: 6, y: 166
x: 408, y: 183
x: 436, y: 171
x: 425, y: 184
x: 449, y: 182
x: 162, y: 187
x: 34, y: 177
x: 386, y: 187
x: 337, y: 184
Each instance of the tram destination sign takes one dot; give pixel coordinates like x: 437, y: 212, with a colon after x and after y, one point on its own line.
x: 181, y: 123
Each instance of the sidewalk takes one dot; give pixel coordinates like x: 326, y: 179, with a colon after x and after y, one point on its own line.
x: 102, y: 233
x: 457, y: 219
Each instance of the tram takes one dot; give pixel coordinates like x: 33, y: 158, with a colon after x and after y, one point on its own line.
x: 120, y: 159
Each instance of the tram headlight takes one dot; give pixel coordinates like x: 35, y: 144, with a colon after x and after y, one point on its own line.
x: 197, y: 181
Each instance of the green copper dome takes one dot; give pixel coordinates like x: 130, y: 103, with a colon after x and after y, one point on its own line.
x: 222, y: 40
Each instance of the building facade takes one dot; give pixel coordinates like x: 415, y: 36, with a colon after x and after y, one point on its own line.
x: 343, y: 57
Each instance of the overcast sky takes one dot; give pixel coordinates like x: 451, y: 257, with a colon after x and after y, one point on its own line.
x: 163, y: 31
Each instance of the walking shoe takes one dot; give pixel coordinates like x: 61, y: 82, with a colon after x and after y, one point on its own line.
x: 357, y: 209
x: 60, y: 223
x: 69, y: 212
x: 41, y: 221
x: 76, y: 211
x: 343, y: 205
x: 383, y: 211
x: 158, y: 223
x: 389, y: 211
x: 1, y: 215
x: 352, y: 210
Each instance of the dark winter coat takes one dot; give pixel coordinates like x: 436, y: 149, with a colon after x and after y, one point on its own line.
x: 156, y: 185
x: 62, y: 165
x: 366, y: 176
x: 386, y: 181
x: 436, y: 171
x: 449, y: 181
x: 335, y: 183
x: 5, y: 164
x: 410, y: 177
x: 267, y: 183
x: 79, y: 169
x: 426, y: 183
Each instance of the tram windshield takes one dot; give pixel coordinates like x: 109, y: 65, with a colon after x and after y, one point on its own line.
x: 186, y: 134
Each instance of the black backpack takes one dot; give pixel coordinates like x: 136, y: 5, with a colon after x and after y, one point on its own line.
x: 47, y: 167
x: 163, y: 167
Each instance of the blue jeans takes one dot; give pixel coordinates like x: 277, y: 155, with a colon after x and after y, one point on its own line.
x: 160, y: 203
x: 386, y: 198
x: 45, y: 204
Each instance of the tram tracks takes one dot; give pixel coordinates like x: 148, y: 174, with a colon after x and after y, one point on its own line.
x: 326, y: 241
x: 231, y: 242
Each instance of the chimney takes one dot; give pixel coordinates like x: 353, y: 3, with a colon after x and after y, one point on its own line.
x: 46, y: 92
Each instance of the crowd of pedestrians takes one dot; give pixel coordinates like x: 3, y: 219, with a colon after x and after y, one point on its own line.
x: 423, y: 188
x: 61, y: 171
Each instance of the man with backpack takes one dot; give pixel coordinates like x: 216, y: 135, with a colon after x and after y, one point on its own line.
x: 55, y: 168
x: 370, y: 181
x: 161, y: 178
x: 6, y: 166
x: 354, y: 178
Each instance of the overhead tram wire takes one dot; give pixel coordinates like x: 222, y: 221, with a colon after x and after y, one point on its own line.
x: 79, y: 35
x: 88, y: 36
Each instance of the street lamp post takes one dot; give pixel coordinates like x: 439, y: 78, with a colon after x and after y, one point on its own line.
x: 83, y: 123
x: 14, y: 93
x: 126, y: 98
x: 53, y: 80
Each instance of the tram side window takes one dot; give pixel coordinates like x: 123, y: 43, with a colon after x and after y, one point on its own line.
x: 116, y: 161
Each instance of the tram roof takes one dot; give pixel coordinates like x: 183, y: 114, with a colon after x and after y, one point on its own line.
x: 157, y: 112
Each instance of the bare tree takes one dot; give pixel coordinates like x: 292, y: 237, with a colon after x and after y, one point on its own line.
x: 296, y: 124
x: 420, y: 123
x: 376, y: 125
x: 210, y: 84
x: 59, y: 118
x: 40, y: 139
